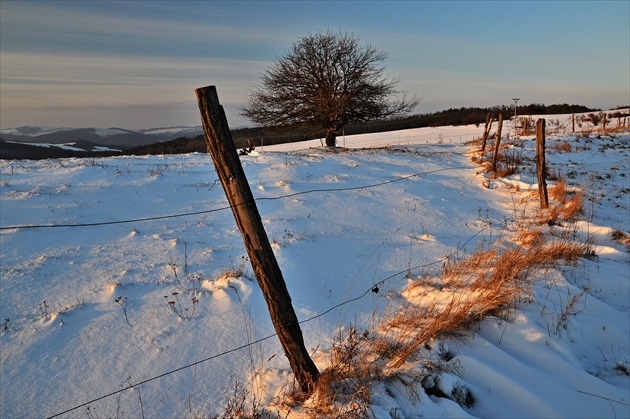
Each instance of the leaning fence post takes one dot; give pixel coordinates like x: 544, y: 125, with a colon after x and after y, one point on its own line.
x: 497, y: 141
x: 230, y: 171
x: 541, y: 164
x: 486, y: 131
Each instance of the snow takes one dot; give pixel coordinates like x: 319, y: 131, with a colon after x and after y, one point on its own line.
x: 33, y: 131
x: 68, y: 146
x: 173, y: 131
x: 86, y: 309
x: 39, y: 131
x: 107, y: 132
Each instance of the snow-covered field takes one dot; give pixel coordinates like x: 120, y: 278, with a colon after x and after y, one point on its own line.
x: 90, y: 310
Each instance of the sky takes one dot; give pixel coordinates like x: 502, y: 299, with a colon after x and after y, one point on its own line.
x: 136, y: 64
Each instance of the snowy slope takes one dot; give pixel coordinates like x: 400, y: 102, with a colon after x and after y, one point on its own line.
x: 86, y: 309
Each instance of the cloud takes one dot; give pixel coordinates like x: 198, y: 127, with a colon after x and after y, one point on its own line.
x: 90, y: 56
x: 128, y: 116
x: 162, y: 29
x: 79, y: 79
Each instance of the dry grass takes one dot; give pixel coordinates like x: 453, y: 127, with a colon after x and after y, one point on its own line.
x: 509, y: 158
x: 559, y: 191
x: 565, y: 205
x: 469, y: 289
x: 570, y: 310
x: 239, y: 406
x: 504, y: 170
x: 343, y: 390
x: 621, y: 237
x: 561, y: 146
x: 530, y: 238
x: 488, y: 282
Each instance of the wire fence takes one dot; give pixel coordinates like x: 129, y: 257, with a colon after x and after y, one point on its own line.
x: 186, y: 214
x: 366, y: 292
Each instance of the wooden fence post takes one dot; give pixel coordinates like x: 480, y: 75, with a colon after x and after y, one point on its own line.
x: 497, y: 141
x: 541, y: 164
x: 486, y: 131
x: 228, y: 166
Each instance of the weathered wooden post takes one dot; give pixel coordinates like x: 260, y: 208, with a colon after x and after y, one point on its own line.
x: 572, y: 122
x: 486, y: 132
x: 497, y: 141
x: 541, y: 164
x: 228, y: 166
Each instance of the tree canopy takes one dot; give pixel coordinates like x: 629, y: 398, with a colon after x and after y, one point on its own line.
x: 326, y: 81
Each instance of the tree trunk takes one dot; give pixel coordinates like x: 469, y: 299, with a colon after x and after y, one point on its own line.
x: 230, y: 171
x: 331, y: 138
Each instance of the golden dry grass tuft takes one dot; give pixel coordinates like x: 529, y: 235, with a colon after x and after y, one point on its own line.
x: 486, y: 283
x: 344, y: 388
x: 490, y: 281
x: 504, y: 170
x: 559, y: 191
x: 529, y: 238
x: 565, y: 205
x: 561, y: 146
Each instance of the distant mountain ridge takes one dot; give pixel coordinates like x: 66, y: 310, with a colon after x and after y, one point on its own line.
x: 31, y: 142
x: 106, y: 137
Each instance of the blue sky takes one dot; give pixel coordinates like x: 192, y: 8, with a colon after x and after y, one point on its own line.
x: 136, y: 64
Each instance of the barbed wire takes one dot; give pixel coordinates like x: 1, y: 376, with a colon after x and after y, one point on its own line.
x: 235, y: 349
x: 163, y: 217
x: 257, y: 341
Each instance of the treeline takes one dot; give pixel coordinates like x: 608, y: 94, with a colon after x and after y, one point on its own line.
x: 247, y: 137
x: 464, y: 116
x: 180, y: 145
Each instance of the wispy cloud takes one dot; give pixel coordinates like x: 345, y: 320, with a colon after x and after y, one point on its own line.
x: 121, y: 79
x: 92, y: 55
x: 62, y: 28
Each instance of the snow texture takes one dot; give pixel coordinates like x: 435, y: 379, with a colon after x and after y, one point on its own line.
x: 90, y: 310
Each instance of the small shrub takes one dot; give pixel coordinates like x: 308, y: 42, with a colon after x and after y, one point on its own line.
x: 122, y: 302
x: 185, y: 311
x: 569, y: 311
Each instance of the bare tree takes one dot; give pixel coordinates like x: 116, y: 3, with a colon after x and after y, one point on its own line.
x: 326, y: 81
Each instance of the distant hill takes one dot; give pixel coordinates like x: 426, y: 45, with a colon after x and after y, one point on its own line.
x: 74, y: 142
x: 35, y: 151
x: 30, y: 142
x: 244, y: 137
x: 119, y: 137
